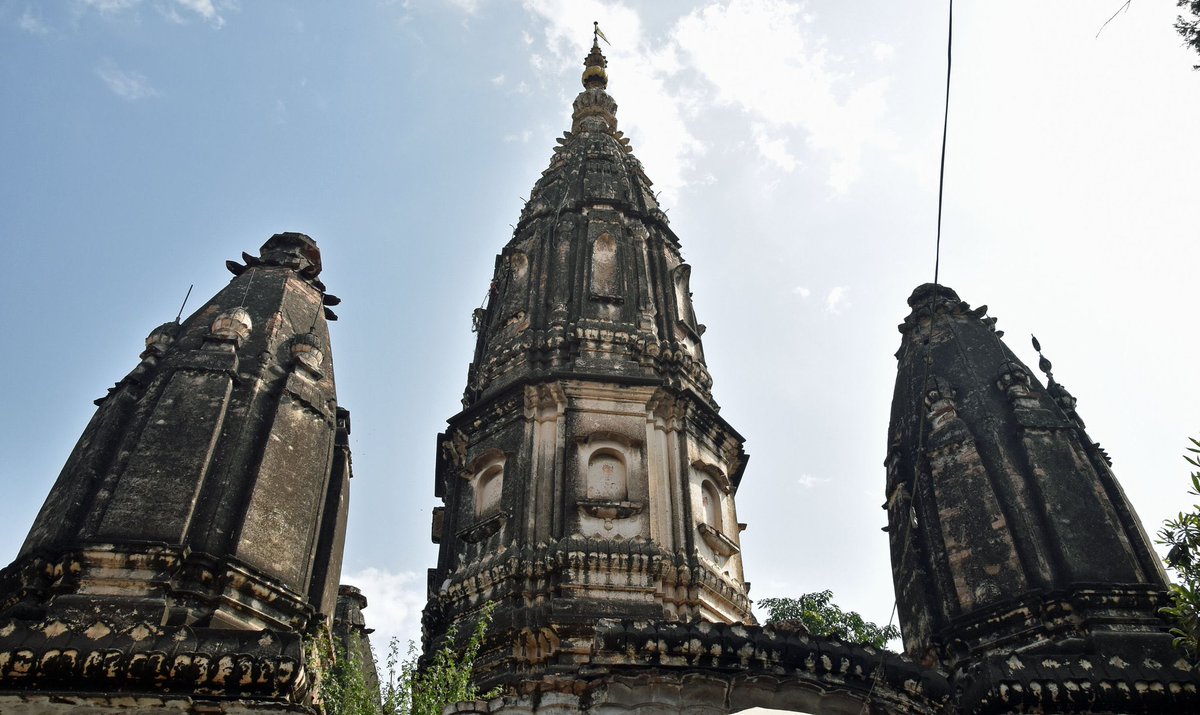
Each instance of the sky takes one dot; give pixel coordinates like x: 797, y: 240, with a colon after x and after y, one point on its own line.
x: 795, y: 144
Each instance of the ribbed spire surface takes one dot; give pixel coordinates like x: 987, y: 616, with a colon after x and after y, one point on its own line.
x: 589, y: 474
x: 1008, y: 528
x: 592, y: 280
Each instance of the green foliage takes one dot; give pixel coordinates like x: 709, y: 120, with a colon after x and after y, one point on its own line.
x: 407, y: 689
x: 1181, y: 536
x: 344, y: 689
x: 823, y: 618
x: 1188, y: 25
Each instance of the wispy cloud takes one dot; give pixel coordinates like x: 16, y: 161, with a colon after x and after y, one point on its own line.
x: 205, y: 9
x: 803, y: 91
x: 801, y: 291
x: 807, y: 100
x: 108, y: 7
x: 836, y: 301
x: 498, y: 79
x: 394, y: 603
x: 774, y: 149
x: 469, y: 7
x: 124, y: 83
x: 808, y: 481
x: 32, y: 22
x: 178, y: 11
x: 657, y: 118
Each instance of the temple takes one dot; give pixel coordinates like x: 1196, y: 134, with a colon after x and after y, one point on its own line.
x: 187, y: 559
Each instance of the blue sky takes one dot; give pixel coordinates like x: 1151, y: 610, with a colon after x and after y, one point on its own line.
x: 147, y: 141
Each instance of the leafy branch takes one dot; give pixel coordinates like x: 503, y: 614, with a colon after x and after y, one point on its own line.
x: 821, y: 617
x: 1181, y: 536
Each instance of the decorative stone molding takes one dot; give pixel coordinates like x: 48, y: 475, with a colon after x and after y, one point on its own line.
x: 103, y: 657
x: 232, y: 326
x: 718, y: 541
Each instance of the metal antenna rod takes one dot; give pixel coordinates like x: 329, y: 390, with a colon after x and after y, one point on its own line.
x: 185, y: 300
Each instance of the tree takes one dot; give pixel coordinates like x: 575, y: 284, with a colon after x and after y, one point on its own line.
x: 408, y: 689
x: 823, y: 618
x: 1188, y: 25
x: 1181, y: 536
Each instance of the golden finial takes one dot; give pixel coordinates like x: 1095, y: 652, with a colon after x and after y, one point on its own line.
x: 594, y: 74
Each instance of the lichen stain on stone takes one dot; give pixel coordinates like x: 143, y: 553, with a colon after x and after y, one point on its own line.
x: 55, y: 629
x: 22, y: 663
x: 97, y: 631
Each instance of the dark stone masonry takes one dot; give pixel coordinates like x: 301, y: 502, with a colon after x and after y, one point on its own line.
x: 187, y: 558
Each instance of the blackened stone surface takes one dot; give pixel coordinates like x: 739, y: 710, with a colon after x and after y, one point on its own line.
x: 1019, y: 564
x: 202, y: 511
x: 589, y: 474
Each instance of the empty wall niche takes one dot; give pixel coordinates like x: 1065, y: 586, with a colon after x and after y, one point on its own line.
x: 606, y: 276
x: 607, y: 476
x: 710, y: 505
x: 489, y: 486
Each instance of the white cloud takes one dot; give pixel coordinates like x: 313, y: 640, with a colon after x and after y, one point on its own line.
x: 774, y: 149
x: 801, y: 291
x: 715, y: 56
x: 836, y: 300
x: 108, y: 7
x: 177, y: 11
x: 808, y: 481
x: 32, y: 23
x: 639, y: 70
x: 124, y: 83
x: 883, y: 51
x: 470, y: 7
x: 203, y: 8
x: 802, y: 91
x: 523, y: 137
x: 394, y: 603
x: 498, y: 79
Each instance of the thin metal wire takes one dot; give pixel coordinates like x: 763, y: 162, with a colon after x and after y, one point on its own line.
x: 937, y: 256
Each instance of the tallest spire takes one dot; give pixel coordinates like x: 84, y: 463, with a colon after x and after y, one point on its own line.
x: 595, y: 76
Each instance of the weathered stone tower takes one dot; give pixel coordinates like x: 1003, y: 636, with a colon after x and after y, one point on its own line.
x: 195, y: 533
x: 589, y: 474
x: 1019, y: 564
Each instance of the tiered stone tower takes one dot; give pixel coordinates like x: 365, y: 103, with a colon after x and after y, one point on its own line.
x: 1020, y: 567
x: 195, y: 534
x: 589, y: 474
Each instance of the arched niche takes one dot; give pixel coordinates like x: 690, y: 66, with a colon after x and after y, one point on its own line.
x: 488, y: 481
x: 711, y: 505
x: 607, y: 475
x: 710, y: 492
x: 606, y: 269
x: 608, y: 463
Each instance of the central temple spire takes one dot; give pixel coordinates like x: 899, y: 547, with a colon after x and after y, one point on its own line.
x: 589, y: 474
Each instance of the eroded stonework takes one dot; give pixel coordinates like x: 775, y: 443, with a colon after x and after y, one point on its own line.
x: 589, y: 474
x: 192, y: 543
